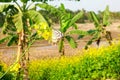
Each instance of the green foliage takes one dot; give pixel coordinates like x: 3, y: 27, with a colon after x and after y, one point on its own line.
x: 71, y: 41
x: 35, y: 16
x: 79, y: 32
x: 106, y: 16
x: 95, y: 19
x: 4, y: 39
x: 100, y: 28
x: 66, y: 21
x: 94, y: 64
x: 3, y: 7
x: 76, y: 17
x: 17, y: 20
x: 18, y: 26
x: 12, y: 40
x: 6, y: 0
x: 3, y: 67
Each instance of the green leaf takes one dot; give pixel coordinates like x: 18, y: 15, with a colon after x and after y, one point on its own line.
x: 91, y: 32
x: 62, y: 8
x: 106, y: 17
x: 44, y: 1
x: 6, y: 0
x: 95, y: 19
x: 4, y: 27
x: 17, y: 20
x: 4, y: 39
x: 60, y: 46
x: 35, y: 16
x: 24, y: 1
x: 3, y: 7
x: 96, y: 36
x: 71, y: 41
x: 80, y: 36
x: 49, y: 8
x: 64, y: 26
x: 70, y: 21
x: 85, y: 33
x: 75, y: 26
x: 76, y: 17
x: 11, y: 40
x: 79, y: 32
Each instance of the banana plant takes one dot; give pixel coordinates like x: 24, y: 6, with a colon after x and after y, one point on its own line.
x: 19, y: 28
x: 100, y: 28
x: 66, y: 21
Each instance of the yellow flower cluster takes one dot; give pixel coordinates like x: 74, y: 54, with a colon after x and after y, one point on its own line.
x: 46, y: 35
x: 43, y: 30
x: 15, y: 67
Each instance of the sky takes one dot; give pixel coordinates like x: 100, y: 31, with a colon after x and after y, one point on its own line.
x: 89, y: 5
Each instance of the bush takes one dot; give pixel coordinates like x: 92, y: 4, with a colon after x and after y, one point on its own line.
x: 100, y: 64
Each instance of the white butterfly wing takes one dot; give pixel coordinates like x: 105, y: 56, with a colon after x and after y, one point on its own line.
x: 56, y: 35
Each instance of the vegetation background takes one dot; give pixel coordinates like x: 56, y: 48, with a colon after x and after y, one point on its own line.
x: 81, y: 66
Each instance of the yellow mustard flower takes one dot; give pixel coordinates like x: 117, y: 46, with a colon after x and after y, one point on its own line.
x: 46, y: 35
x: 36, y: 26
x: 43, y: 25
x: 15, y: 67
x: 39, y: 32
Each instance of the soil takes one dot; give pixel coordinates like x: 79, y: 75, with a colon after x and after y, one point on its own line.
x: 43, y: 49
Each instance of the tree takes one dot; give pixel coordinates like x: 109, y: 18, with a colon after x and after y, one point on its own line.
x: 66, y: 21
x: 100, y: 28
x: 20, y: 27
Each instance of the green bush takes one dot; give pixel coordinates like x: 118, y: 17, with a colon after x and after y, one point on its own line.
x: 94, y: 64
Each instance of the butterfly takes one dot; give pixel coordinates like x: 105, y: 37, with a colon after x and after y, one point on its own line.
x: 56, y: 36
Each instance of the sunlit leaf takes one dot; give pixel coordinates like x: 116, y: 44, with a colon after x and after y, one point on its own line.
x: 76, y: 17
x: 3, y: 7
x: 79, y: 32
x: 95, y: 19
x: 18, y: 21
x: 62, y: 8
x: 106, y: 16
x: 49, y: 8
x: 35, y: 16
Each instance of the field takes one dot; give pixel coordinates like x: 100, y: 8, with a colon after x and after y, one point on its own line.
x: 43, y: 49
x: 88, y: 45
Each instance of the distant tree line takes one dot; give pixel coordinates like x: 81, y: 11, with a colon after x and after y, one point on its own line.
x: 52, y: 18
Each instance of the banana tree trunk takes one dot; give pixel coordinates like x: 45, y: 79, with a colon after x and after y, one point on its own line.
x: 109, y: 37
x: 26, y: 57
x: 62, y: 50
x: 19, y: 53
x: 23, y: 71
